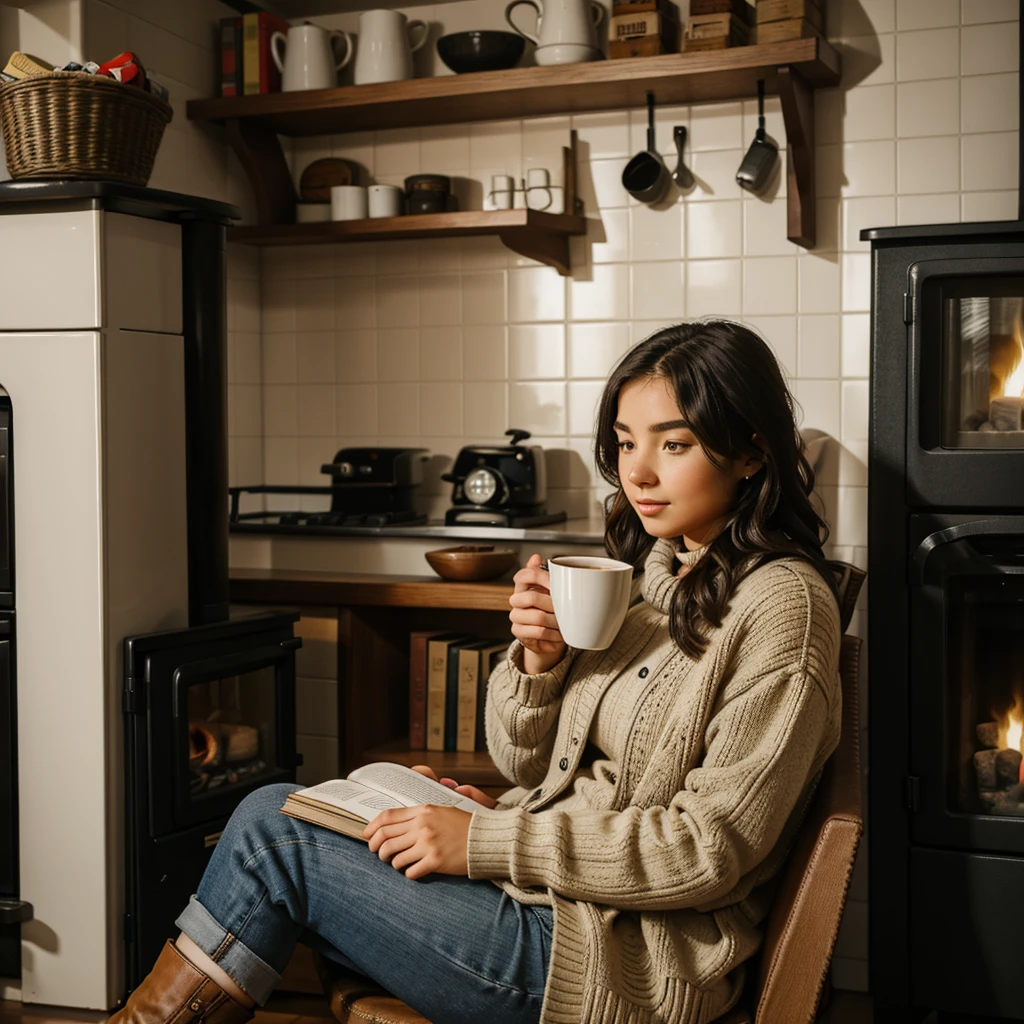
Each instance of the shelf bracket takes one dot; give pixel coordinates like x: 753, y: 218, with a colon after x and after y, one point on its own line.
x: 543, y: 246
x: 259, y: 152
x: 798, y: 113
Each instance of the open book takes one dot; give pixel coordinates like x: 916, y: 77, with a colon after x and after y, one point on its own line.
x: 346, y: 805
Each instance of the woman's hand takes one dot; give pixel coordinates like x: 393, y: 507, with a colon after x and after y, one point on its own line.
x: 471, y: 791
x: 533, y: 619
x: 422, y: 840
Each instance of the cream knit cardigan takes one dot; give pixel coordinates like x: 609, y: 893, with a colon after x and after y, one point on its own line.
x: 658, y: 896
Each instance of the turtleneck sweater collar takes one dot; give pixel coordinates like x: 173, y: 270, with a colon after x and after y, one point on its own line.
x: 661, y: 572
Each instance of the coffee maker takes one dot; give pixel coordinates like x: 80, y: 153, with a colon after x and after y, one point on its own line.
x: 500, y: 485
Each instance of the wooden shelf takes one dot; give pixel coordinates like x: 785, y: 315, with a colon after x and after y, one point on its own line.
x: 529, y: 92
x: 293, y: 587
x: 539, y: 236
x: 793, y: 69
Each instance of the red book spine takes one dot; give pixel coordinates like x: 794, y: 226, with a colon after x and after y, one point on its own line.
x: 418, y: 690
x: 228, y: 57
x: 270, y: 77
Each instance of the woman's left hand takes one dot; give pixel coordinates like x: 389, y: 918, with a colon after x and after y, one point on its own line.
x: 422, y: 840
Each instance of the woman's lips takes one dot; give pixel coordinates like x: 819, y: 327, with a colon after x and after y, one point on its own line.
x: 646, y: 507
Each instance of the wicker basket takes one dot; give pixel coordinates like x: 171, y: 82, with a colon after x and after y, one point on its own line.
x: 69, y: 124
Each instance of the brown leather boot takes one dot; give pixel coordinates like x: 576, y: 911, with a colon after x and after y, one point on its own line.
x: 177, y: 992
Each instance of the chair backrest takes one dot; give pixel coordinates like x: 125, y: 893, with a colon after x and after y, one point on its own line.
x: 801, y: 929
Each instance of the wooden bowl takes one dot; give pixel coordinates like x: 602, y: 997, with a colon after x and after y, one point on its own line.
x: 471, y: 562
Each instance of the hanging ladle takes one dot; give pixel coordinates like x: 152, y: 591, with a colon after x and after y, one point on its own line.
x: 646, y: 177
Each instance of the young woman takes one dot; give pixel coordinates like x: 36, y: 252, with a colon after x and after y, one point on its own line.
x: 658, y: 784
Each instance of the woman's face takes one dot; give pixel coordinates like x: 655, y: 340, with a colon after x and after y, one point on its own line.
x: 675, y: 490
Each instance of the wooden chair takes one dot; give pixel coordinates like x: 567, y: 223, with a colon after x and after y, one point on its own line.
x: 789, y: 975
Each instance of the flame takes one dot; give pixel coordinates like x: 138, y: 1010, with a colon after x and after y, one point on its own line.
x: 1011, y: 727
x: 1014, y: 384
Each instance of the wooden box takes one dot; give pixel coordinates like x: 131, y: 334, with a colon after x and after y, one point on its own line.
x: 779, y: 31
x: 784, y: 10
x: 646, y: 46
x: 740, y: 8
x: 713, y: 26
x: 625, y: 27
x: 635, y: 7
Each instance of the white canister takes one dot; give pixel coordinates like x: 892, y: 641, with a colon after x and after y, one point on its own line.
x: 385, y: 201
x: 349, y: 202
x: 538, y: 188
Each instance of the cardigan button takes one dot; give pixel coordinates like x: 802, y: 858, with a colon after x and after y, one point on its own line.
x: 564, y: 763
x: 644, y: 672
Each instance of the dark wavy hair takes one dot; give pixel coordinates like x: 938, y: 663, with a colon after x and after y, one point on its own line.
x: 728, y: 386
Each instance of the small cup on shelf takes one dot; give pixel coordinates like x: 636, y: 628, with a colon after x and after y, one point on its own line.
x: 385, y: 201
x: 502, y: 191
x: 538, y: 188
x: 349, y: 202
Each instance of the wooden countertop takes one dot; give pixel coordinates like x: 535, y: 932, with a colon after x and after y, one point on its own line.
x: 298, y: 587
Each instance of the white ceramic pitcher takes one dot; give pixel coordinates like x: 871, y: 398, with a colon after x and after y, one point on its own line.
x: 309, y: 61
x: 384, y: 53
x: 566, y: 29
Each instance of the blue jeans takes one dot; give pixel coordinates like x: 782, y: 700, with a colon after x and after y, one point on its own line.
x: 458, y: 951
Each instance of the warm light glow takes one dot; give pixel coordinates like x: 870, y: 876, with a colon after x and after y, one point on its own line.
x: 1011, y: 727
x: 1014, y: 385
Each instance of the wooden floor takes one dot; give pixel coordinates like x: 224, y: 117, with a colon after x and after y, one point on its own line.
x: 299, y: 1008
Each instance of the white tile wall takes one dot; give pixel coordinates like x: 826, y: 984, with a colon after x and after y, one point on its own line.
x: 452, y: 342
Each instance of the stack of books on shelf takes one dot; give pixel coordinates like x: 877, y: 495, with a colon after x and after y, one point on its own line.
x: 246, y: 67
x: 643, y: 28
x: 717, y: 25
x: 448, y: 675
x: 780, y: 20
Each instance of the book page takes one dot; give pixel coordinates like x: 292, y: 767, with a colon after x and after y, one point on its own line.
x: 352, y: 797
x: 409, y: 787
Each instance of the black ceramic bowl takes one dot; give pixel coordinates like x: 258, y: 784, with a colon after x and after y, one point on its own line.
x: 480, y: 51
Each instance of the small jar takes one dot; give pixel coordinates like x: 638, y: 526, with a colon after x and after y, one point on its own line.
x: 427, y: 193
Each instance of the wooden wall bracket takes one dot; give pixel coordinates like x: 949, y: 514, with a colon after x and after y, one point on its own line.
x: 259, y: 152
x: 544, y: 246
x: 798, y: 113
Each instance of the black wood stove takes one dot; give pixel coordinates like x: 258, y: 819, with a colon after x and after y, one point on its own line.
x: 946, y: 622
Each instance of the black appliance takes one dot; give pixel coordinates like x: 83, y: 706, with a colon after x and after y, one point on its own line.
x: 13, y: 910
x: 369, y: 487
x: 209, y: 710
x: 946, y: 622
x: 500, y: 485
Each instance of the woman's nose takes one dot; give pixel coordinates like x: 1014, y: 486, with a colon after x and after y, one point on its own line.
x: 640, y: 473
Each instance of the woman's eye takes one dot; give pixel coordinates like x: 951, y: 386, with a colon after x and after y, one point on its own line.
x: 625, y: 446
x: 676, y: 446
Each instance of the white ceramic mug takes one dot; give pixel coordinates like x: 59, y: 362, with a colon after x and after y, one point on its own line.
x: 502, y: 191
x: 309, y: 61
x: 590, y: 596
x: 566, y: 29
x: 384, y: 53
x: 349, y: 202
x: 385, y: 201
x: 538, y: 188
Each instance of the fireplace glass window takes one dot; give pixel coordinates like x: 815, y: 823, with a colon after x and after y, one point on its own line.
x: 231, y: 738
x: 984, y: 366
x: 985, y: 715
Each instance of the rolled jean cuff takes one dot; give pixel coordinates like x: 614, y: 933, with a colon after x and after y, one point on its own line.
x: 255, y: 977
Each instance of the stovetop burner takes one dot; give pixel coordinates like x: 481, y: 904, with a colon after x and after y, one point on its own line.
x: 306, y: 519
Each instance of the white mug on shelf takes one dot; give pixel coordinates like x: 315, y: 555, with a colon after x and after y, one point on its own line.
x: 385, y: 201
x: 538, y: 188
x: 384, y: 53
x: 502, y: 191
x: 309, y: 61
x: 349, y: 202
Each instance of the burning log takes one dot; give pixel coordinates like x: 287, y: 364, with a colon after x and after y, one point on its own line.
x: 1010, y: 803
x: 988, y: 734
x: 985, y: 768
x: 1008, y: 764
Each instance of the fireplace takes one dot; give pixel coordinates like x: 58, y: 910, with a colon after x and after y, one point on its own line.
x: 946, y: 622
